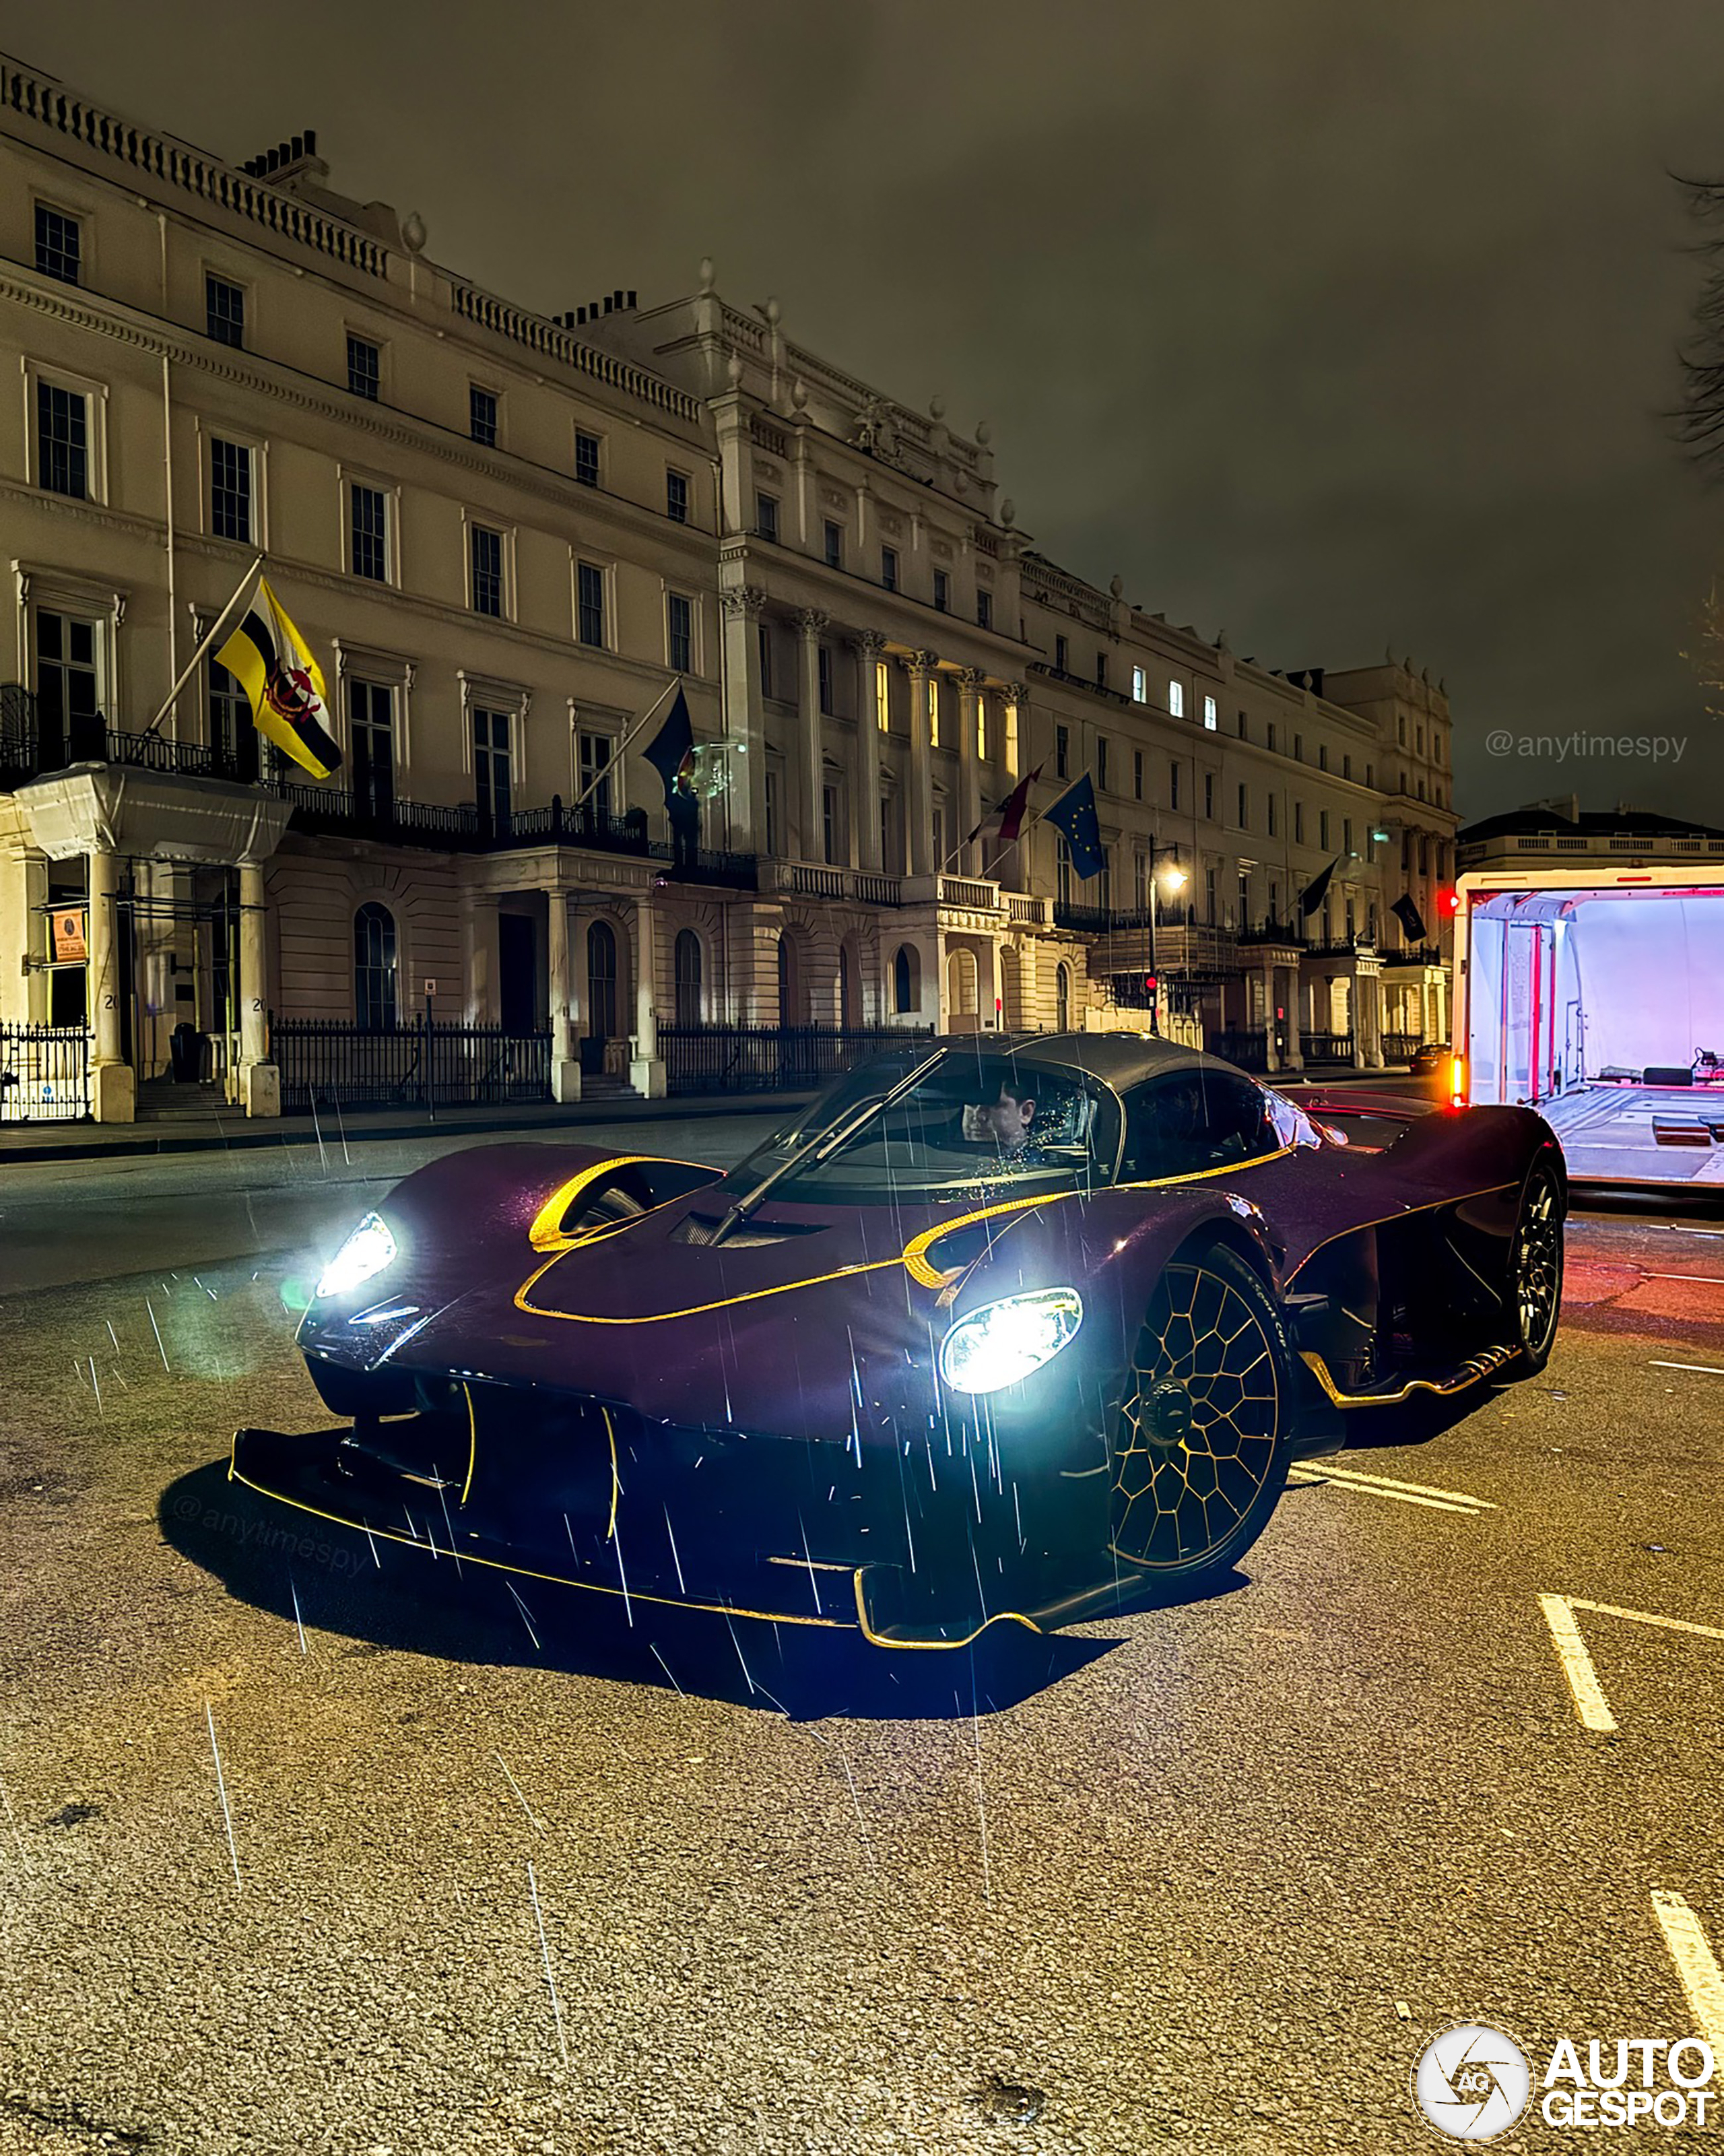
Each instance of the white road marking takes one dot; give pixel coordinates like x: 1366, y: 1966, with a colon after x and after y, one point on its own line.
x: 1710, y: 1369
x: 1390, y: 1482
x: 1648, y: 1617
x: 1696, y: 1964
x: 1589, y: 1701
x: 1710, y: 1279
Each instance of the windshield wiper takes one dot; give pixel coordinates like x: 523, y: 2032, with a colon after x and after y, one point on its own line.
x: 820, y: 1147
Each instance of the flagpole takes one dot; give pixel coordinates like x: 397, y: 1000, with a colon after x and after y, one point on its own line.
x: 209, y: 638
x: 604, y: 772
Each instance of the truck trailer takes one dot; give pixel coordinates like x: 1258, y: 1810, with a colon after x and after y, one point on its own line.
x: 1596, y: 995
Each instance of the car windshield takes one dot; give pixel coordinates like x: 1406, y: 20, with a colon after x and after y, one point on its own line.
x: 979, y: 1123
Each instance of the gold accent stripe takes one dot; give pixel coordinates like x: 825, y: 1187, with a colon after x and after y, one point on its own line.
x: 1483, y: 1366
x: 935, y: 1647
x: 610, y: 1526
x: 472, y: 1441
x: 548, y: 1232
x: 527, y: 1572
x: 697, y: 1309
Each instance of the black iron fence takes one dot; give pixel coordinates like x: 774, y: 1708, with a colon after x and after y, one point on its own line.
x: 1327, y: 1047
x: 1248, y: 1046
x: 1398, y: 1047
x: 331, y: 1063
x: 44, y: 1074
x: 763, y: 1058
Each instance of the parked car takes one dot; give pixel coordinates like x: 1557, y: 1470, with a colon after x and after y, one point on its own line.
x: 1430, y: 1059
x: 995, y: 1329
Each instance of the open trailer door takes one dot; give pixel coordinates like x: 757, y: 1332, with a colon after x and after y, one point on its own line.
x: 1601, y: 1003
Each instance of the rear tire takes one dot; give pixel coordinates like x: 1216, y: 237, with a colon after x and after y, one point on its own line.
x: 1532, y: 1293
x: 1197, y: 1444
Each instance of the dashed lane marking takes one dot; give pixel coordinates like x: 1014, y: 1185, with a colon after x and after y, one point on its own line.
x: 1386, y: 1486
x: 1697, y: 1965
x: 1706, y: 1369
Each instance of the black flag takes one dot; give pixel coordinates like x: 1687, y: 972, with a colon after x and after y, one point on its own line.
x: 1409, y: 917
x: 1312, y: 897
x: 668, y: 750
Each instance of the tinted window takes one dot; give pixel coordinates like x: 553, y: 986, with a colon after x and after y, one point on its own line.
x: 1195, y: 1119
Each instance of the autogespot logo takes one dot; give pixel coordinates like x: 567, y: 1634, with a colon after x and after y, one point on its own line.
x: 1472, y: 2081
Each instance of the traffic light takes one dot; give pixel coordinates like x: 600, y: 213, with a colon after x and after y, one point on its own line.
x: 1448, y: 901
x: 1149, y: 984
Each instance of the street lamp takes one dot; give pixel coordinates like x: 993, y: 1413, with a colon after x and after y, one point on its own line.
x: 1175, y: 879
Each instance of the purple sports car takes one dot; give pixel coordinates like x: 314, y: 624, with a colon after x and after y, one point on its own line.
x: 997, y: 1328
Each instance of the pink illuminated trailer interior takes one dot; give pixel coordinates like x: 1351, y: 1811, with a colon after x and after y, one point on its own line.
x: 1600, y: 1003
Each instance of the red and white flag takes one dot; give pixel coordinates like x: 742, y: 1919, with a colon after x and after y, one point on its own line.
x: 1002, y: 824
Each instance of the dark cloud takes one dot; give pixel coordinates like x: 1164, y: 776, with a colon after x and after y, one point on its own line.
x: 1333, y: 324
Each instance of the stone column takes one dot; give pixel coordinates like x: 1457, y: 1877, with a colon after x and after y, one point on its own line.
x: 646, y: 1070
x: 745, y: 725
x: 113, y: 1087
x: 811, y: 625
x: 259, y: 1079
x: 920, y: 809
x: 565, y: 1062
x: 1014, y: 716
x: 969, y: 770
x: 865, y: 801
x: 37, y: 989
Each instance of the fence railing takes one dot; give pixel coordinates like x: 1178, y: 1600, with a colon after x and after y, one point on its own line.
x: 334, y: 1063
x: 44, y: 1074
x: 1398, y: 1047
x: 764, y: 1058
x: 1248, y: 1046
x: 1327, y: 1047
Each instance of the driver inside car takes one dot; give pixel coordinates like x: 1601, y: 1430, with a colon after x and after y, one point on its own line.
x: 998, y: 1111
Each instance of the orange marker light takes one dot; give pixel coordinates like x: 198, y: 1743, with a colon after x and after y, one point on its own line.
x: 1457, y: 1082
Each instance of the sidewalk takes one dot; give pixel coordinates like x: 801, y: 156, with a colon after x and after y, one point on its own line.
x: 232, y: 1131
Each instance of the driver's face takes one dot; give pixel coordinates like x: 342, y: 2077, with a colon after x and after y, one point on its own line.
x: 1006, y: 1121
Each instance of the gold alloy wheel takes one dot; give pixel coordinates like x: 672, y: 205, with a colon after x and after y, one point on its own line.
x: 1197, y: 1453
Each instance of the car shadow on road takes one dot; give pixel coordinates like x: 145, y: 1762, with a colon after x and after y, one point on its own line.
x: 384, y: 1598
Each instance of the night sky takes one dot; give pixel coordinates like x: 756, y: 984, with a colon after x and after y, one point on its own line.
x: 1336, y: 326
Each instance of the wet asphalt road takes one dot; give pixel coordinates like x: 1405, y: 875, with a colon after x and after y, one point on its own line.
x: 1201, y: 1876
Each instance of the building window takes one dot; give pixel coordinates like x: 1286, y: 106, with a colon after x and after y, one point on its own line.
x: 676, y: 496
x: 368, y: 524
x: 1346, y: 767
x: 1298, y: 748
x: 364, y: 368
x: 1101, y: 761
x: 905, y: 997
x: 61, y: 440
x: 763, y: 646
x: 832, y: 536
x: 1209, y: 718
x: 943, y: 591
x: 772, y: 806
x: 1101, y: 670
x: 766, y: 515
x: 1062, y: 998
x: 1140, y: 686
x: 1269, y: 733
x: 595, y: 773
x: 1176, y: 699
x: 889, y: 567
x: 224, y: 310
x: 376, y: 998
x: 230, y: 490
x: 933, y: 711
x: 825, y: 659
x: 687, y: 960
x: 882, y: 696
x: 1209, y: 896
x: 680, y: 632
x: 482, y: 415
x: 1346, y: 835
x: 1062, y: 652
x: 586, y: 458
x: 1421, y: 790
x: 984, y: 609
x: 589, y: 592
x: 1322, y: 756
x: 1245, y: 807
x: 1244, y: 729
x: 371, y: 713
x: 939, y: 838
x: 1323, y: 828
x: 68, y: 688
x: 601, y: 981
x: 1299, y: 822
x: 1208, y: 797
x: 1137, y: 774
x: 491, y: 774
x: 233, y: 737
x: 486, y: 550
x: 1062, y: 744
x: 890, y: 861
x: 828, y: 825
x: 1269, y: 826
x: 59, y: 245
x: 981, y: 727
x: 1172, y: 785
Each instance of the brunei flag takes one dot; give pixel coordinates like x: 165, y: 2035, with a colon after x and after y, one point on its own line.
x: 272, y: 664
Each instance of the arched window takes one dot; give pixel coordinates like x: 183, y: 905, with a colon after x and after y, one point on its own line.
x: 376, y: 1002
x: 848, y: 1014
x: 961, y: 990
x: 601, y: 981
x: 790, y: 982
x: 688, y: 977
x: 1062, y: 999
x: 905, y: 990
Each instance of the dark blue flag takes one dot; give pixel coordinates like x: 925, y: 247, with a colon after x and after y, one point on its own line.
x: 668, y: 750
x: 1073, y: 814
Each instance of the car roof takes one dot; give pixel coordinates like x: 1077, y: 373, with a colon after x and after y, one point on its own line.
x: 1118, y: 1060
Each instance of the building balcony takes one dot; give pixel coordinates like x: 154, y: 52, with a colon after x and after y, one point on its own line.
x: 1413, y: 954
x: 1282, y: 935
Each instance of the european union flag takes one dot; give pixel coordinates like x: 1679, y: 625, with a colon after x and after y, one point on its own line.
x: 1073, y: 814
x: 669, y: 748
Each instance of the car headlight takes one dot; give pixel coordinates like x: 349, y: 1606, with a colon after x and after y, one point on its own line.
x: 1002, y: 1343
x: 366, y: 1252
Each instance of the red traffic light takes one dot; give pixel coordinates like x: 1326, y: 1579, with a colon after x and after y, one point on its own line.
x: 1449, y: 901
x: 1149, y: 984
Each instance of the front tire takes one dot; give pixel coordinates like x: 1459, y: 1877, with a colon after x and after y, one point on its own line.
x: 1532, y: 1293
x: 1198, y: 1444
